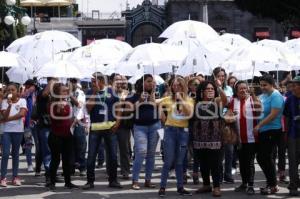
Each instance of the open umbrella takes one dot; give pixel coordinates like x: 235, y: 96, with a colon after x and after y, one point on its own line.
x: 104, y: 51
x: 44, y: 45
x: 202, y: 31
x: 151, y: 58
x: 59, y: 69
x: 15, y: 46
x: 18, y: 75
x: 200, y: 60
x: 234, y: 40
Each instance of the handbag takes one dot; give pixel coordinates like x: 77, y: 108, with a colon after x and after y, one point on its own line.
x: 229, y: 131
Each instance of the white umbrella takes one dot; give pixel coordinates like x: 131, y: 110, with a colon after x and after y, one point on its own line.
x: 15, y: 46
x: 246, y: 75
x: 203, y: 32
x: 234, y: 40
x: 44, y: 45
x: 100, y: 52
x: 151, y: 58
x: 257, y: 58
x: 18, y: 75
x: 113, y: 43
x: 59, y: 69
x: 200, y: 60
x: 221, y: 48
x: 294, y: 46
x: 8, y: 59
x: 184, y: 40
x: 158, y: 79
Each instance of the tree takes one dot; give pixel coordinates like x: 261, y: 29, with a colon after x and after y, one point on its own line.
x: 286, y: 12
x: 9, y: 33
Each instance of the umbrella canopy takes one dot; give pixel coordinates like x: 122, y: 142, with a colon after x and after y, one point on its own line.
x: 189, y: 43
x: 151, y: 58
x: 42, y: 47
x: 294, y: 46
x: 18, y: 75
x: 286, y: 52
x: 158, y: 79
x: 203, y: 32
x: 234, y: 40
x: 59, y: 69
x: 31, y: 3
x: 15, y: 46
x: 58, y: 2
x: 201, y: 60
x: 8, y: 59
x: 104, y: 51
x: 257, y: 58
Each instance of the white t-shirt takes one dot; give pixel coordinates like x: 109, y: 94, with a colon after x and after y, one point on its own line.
x: 15, y: 125
x: 79, y: 113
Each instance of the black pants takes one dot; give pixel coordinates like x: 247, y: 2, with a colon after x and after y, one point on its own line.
x: 266, y: 147
x: 60, y: 147
x: 124, y: 148
x: 246, y: 154
x: 280, y: 151
x: 209, y: 165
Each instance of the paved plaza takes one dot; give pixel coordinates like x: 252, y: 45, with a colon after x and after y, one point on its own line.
x: 33, y: 187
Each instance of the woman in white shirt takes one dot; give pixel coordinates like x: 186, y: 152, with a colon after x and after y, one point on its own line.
x: 13, y: 110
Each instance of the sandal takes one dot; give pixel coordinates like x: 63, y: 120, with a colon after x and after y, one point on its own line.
x: 216, y: 192
x: 148, y: 184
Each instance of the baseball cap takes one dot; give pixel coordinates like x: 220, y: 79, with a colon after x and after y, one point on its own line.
x: 296, y: 79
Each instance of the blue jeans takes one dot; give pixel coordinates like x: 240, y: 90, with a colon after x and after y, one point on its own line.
x: 145, y: 142
x: 95, y: 138
x: 43, y: 134
x: 175, y: 148
x: 80, y: 146
x: 228, y: 156
x: 14, y: 140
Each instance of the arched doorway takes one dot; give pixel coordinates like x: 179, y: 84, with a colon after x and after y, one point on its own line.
x: 145, y: 33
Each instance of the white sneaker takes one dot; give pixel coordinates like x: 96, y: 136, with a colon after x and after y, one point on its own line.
x: 30, y: 168
x: 233, y: 171
x: 172, y: 174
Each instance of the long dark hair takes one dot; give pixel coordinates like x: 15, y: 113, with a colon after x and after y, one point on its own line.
x: 201, y: 88
x: 216, y: 71
x: 139, y: 85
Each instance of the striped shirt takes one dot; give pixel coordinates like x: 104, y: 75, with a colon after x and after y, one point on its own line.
x: 245, y: 118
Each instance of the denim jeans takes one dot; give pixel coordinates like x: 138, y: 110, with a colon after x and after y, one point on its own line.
x: 80, y: 145
x: 175, y: 148
x: 95, y: 138
x: 227, y: 154
x: 43, y: 134
x: 14, y: 140
x: 27, y: 149
x: 145, y: 142
x: 38, y: 153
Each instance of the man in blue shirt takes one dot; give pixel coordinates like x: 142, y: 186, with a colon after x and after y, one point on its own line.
x: 100, y: 105
x: 292, y: 113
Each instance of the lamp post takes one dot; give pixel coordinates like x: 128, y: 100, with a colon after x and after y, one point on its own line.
x: 10, y: 16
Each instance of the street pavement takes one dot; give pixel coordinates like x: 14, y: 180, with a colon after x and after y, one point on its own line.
x: 33, y: 187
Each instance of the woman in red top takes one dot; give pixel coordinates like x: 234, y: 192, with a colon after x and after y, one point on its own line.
x: 60, y: 138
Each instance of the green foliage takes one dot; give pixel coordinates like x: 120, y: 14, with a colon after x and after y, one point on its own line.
x: 9, y: 33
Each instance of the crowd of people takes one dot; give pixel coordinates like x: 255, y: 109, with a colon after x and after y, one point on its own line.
x: 213, y: 123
